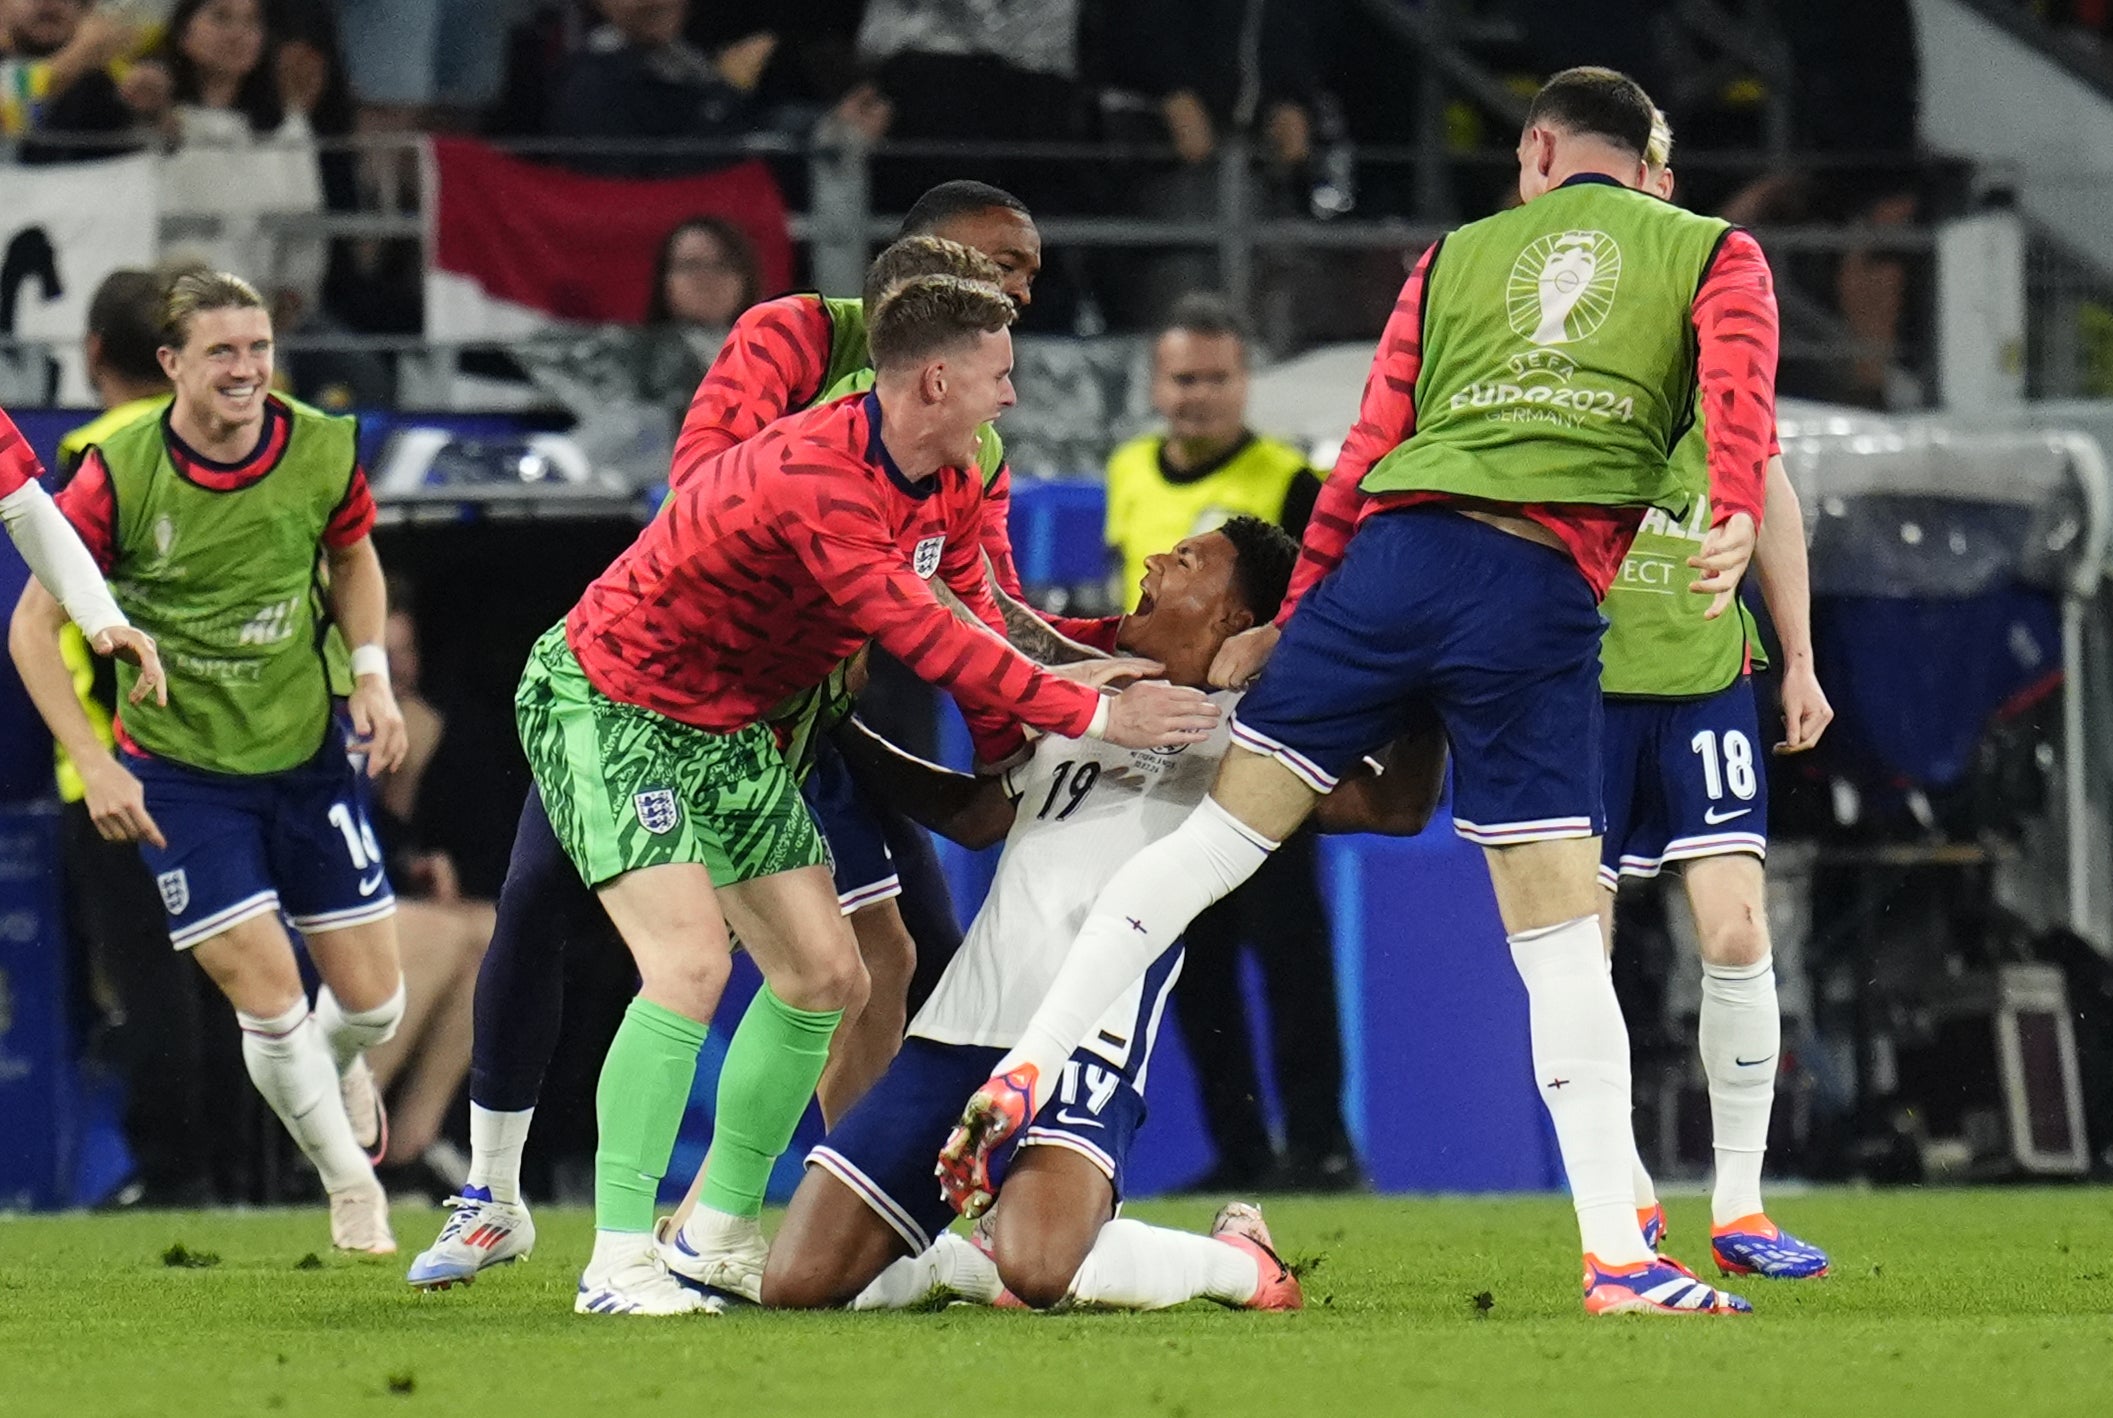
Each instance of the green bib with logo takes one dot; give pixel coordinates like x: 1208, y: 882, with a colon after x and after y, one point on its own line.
x: 230, y: 584
x: 1658, y: 645
x: 1558, y: 353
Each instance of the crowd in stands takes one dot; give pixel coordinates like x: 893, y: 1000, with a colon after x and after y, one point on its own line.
x: 255, y: 100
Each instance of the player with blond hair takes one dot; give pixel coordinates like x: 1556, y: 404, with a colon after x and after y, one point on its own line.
x: 236, y: 529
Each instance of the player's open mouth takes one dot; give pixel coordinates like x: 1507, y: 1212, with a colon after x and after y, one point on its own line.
x: 1145, y: 601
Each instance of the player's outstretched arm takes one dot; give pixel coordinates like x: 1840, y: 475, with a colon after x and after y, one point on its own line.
x: 1785, y: 573
x: 116, y: 802
x: 1399, y: 797
x: 850, y: 552
x: 1035, y: 637
x: 62, y: 562
x: 961, y: 807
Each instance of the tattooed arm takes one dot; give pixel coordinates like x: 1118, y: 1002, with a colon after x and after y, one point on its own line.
x: 1031, y: 635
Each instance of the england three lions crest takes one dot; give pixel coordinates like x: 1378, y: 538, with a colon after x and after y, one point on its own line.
x: 925, y: 560
x: 657, y: 810
x: 175, y: 889
x: 1562, y: 286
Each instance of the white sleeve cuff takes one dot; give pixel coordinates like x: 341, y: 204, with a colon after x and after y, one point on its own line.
x: 57, y: 558
x: 1098, y: 729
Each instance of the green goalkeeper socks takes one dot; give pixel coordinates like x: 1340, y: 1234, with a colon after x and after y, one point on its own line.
x: 645, y: 1085
x: 772, y: 1066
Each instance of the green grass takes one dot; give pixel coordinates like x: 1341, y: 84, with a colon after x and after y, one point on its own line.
x: 1982, y: 1302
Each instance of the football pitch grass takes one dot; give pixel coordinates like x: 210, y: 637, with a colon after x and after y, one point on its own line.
x: 1940, y: 1302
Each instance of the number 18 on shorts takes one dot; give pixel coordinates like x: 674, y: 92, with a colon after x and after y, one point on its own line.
x: 1684, y: 779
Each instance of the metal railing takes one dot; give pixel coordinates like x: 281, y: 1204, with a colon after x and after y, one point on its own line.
x: 1242, y: 216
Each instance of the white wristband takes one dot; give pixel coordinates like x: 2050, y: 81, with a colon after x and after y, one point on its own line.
x: 370, y: 660
x: 1098, y: 729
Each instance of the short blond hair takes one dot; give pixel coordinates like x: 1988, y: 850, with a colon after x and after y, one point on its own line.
x: 927, y: 314
x: 915, y: 256
x: 1658, y: 151
x: 195, y: 291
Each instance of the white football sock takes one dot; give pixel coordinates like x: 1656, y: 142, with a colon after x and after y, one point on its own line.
x: 951, y: 1267
x: 1740, y: 1034
x: 291, y: 1067
x: 1640, y: 1181
x: 711, y: 1232
x: 496, y: 1142
x: 1581, y: 1071
x: 1133, y: 1266
x: 615, y: 1249
x: 1140, y: 913
x: 350, y: 1033
x: 1646, y: 1191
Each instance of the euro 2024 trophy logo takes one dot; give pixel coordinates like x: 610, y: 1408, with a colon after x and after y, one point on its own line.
x: 1562, y: 286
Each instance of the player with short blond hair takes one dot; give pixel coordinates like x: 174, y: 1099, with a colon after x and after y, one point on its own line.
x: 236, y: 526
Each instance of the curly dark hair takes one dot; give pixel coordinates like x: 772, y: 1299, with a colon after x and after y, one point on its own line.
x: 1263, y: 572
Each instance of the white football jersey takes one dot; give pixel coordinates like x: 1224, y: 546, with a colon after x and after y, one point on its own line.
x: 1085, y: 807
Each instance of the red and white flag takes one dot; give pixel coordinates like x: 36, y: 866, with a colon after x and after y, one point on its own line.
x: 516, y: 246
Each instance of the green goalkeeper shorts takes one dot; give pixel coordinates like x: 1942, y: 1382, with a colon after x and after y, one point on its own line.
x: 628, y: 788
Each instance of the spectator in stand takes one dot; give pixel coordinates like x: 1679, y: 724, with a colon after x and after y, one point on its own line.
x: 64, y: 69
x: 243, y: 147
x: 1861, y: 115
x: 636, y: 78
x: 425, y: 64
x: 705, y: 277
x: 629, y: 386
x: 1207, y: 467
x: 984, y: 71
x: 1209, y: 69
x: 442, y: 921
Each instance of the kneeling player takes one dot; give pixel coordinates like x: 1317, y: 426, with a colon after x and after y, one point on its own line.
x: 866, y: 1224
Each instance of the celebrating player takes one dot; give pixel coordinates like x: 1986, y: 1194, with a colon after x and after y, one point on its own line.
x: 1517, y: 423
x: 642, y: 716
x: 543, y: 904
x: 1684, y: 788
x: 217, y: 520
x: 867, y: 1226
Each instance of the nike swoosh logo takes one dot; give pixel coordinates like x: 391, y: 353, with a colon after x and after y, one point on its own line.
x: 1065, y: 1117
x: 1751, y: 1063
x: 370, y: 885
x: 1713, y: 817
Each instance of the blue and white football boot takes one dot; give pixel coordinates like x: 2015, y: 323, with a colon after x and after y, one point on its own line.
x: 1754, y: 1245
x: 480, y: 1234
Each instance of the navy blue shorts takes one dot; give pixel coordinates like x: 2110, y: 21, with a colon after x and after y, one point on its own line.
x: 887, y: 1145
x: 1686, y: 778
x: 299, y: 842
x: 856, y: 841
x: 1498, y: 634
